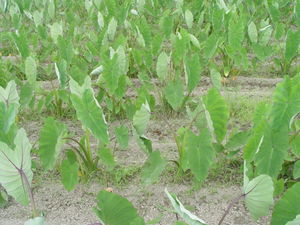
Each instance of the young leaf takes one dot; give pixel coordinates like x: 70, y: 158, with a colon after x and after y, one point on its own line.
x: 122, y: 136
x: 14, y: 164
x: 61, y: 72
x: 217, y: 113
x: 112, y: 28
x: 30, y: 69
x: 56, y: 30
x: 162, y: 66
x: 288, y: 207
x: 252, y: 32
x: 189, y: 18
x: 113, y: 209
x: 153, y: 168
x: 51, y: 142
x: 259, y: 196
x: 200, y: 153
x: 141, y: 119
x: 174, y: 93
x: 69, y: 171
x: 89, y: 112
x: 186, y: 215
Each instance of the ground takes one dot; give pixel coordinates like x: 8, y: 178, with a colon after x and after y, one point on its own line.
x: 208, y: 203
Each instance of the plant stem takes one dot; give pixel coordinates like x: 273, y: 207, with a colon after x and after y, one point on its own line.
x: 29, y: 190
x: 232, y: 203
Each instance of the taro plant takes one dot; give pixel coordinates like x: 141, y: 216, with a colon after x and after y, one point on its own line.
x: 15, y: 160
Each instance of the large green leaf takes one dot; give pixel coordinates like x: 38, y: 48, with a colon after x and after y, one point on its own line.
x: 14, y: 164
x: 7, y: 117
x: 153, y: 168
x: 90, y: 114
x: 291, y: 45
x: 141, y: 119
x: 113, y: 209
x: 272, y: 151
x: 193, y: 72
x: 199, y: 152
x: 296, y: 221
x: 30, y: 69
x: 217, y: 113
x: 9, y: 95
x: 210, y: 46
x: 288, y: 207
x: 174, y: 93
x: 186, y: 215
x: 259, y: 195
x: 162, y: 66
x: 121, y: 133
x: 69, y: 171
x: 235, y: 33
x: 51, y: 142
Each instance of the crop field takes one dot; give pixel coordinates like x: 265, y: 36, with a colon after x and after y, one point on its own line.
x: 135, y: 112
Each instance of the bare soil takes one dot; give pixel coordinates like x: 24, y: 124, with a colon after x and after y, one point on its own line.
x: 209, y: 203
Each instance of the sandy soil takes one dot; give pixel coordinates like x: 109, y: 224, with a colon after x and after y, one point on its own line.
x: 75, y: 208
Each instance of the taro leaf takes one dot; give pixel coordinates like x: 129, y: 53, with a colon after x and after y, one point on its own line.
x: 153, y: 168
x: 292, y: 45
x: 259, y: 195
x: 180, y: 223
x: 186, y: 215
x: 7, y: 116
x: 217, y: 113
x: 252, y: 32
x: 89, y: 112
x: 272, y: 151
x: 200, y: 153
x: 69, y: 171
x: 9, y: 95
x: 113, y: 209
x: 3, y: 199
x: 111, y: 29
x: 22, y: 44
x: 211, y: 45
x: 107, y: 158
x: 193, y: 72
x: 35, y: 221
x: 51, y: 141
x: 13, y: 163
x: 296, y: 221
x: 174, y: 94
x: 235, y: 33
x: 237, y: 141
x: 297, y: 12
x: 288, y: 207
x: 122, y: 136
x: 61, y: 72
x: 56, y: 30
x: 141, y: 119
x: 26, y: 94
x: 145, y: 144
x: 97, y: 71
x: 31, y: 69
x: 296, y: 171
x: 78, y: 90
x: 162, y: 66
x: 189, y: 18
x: 215, y: 77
